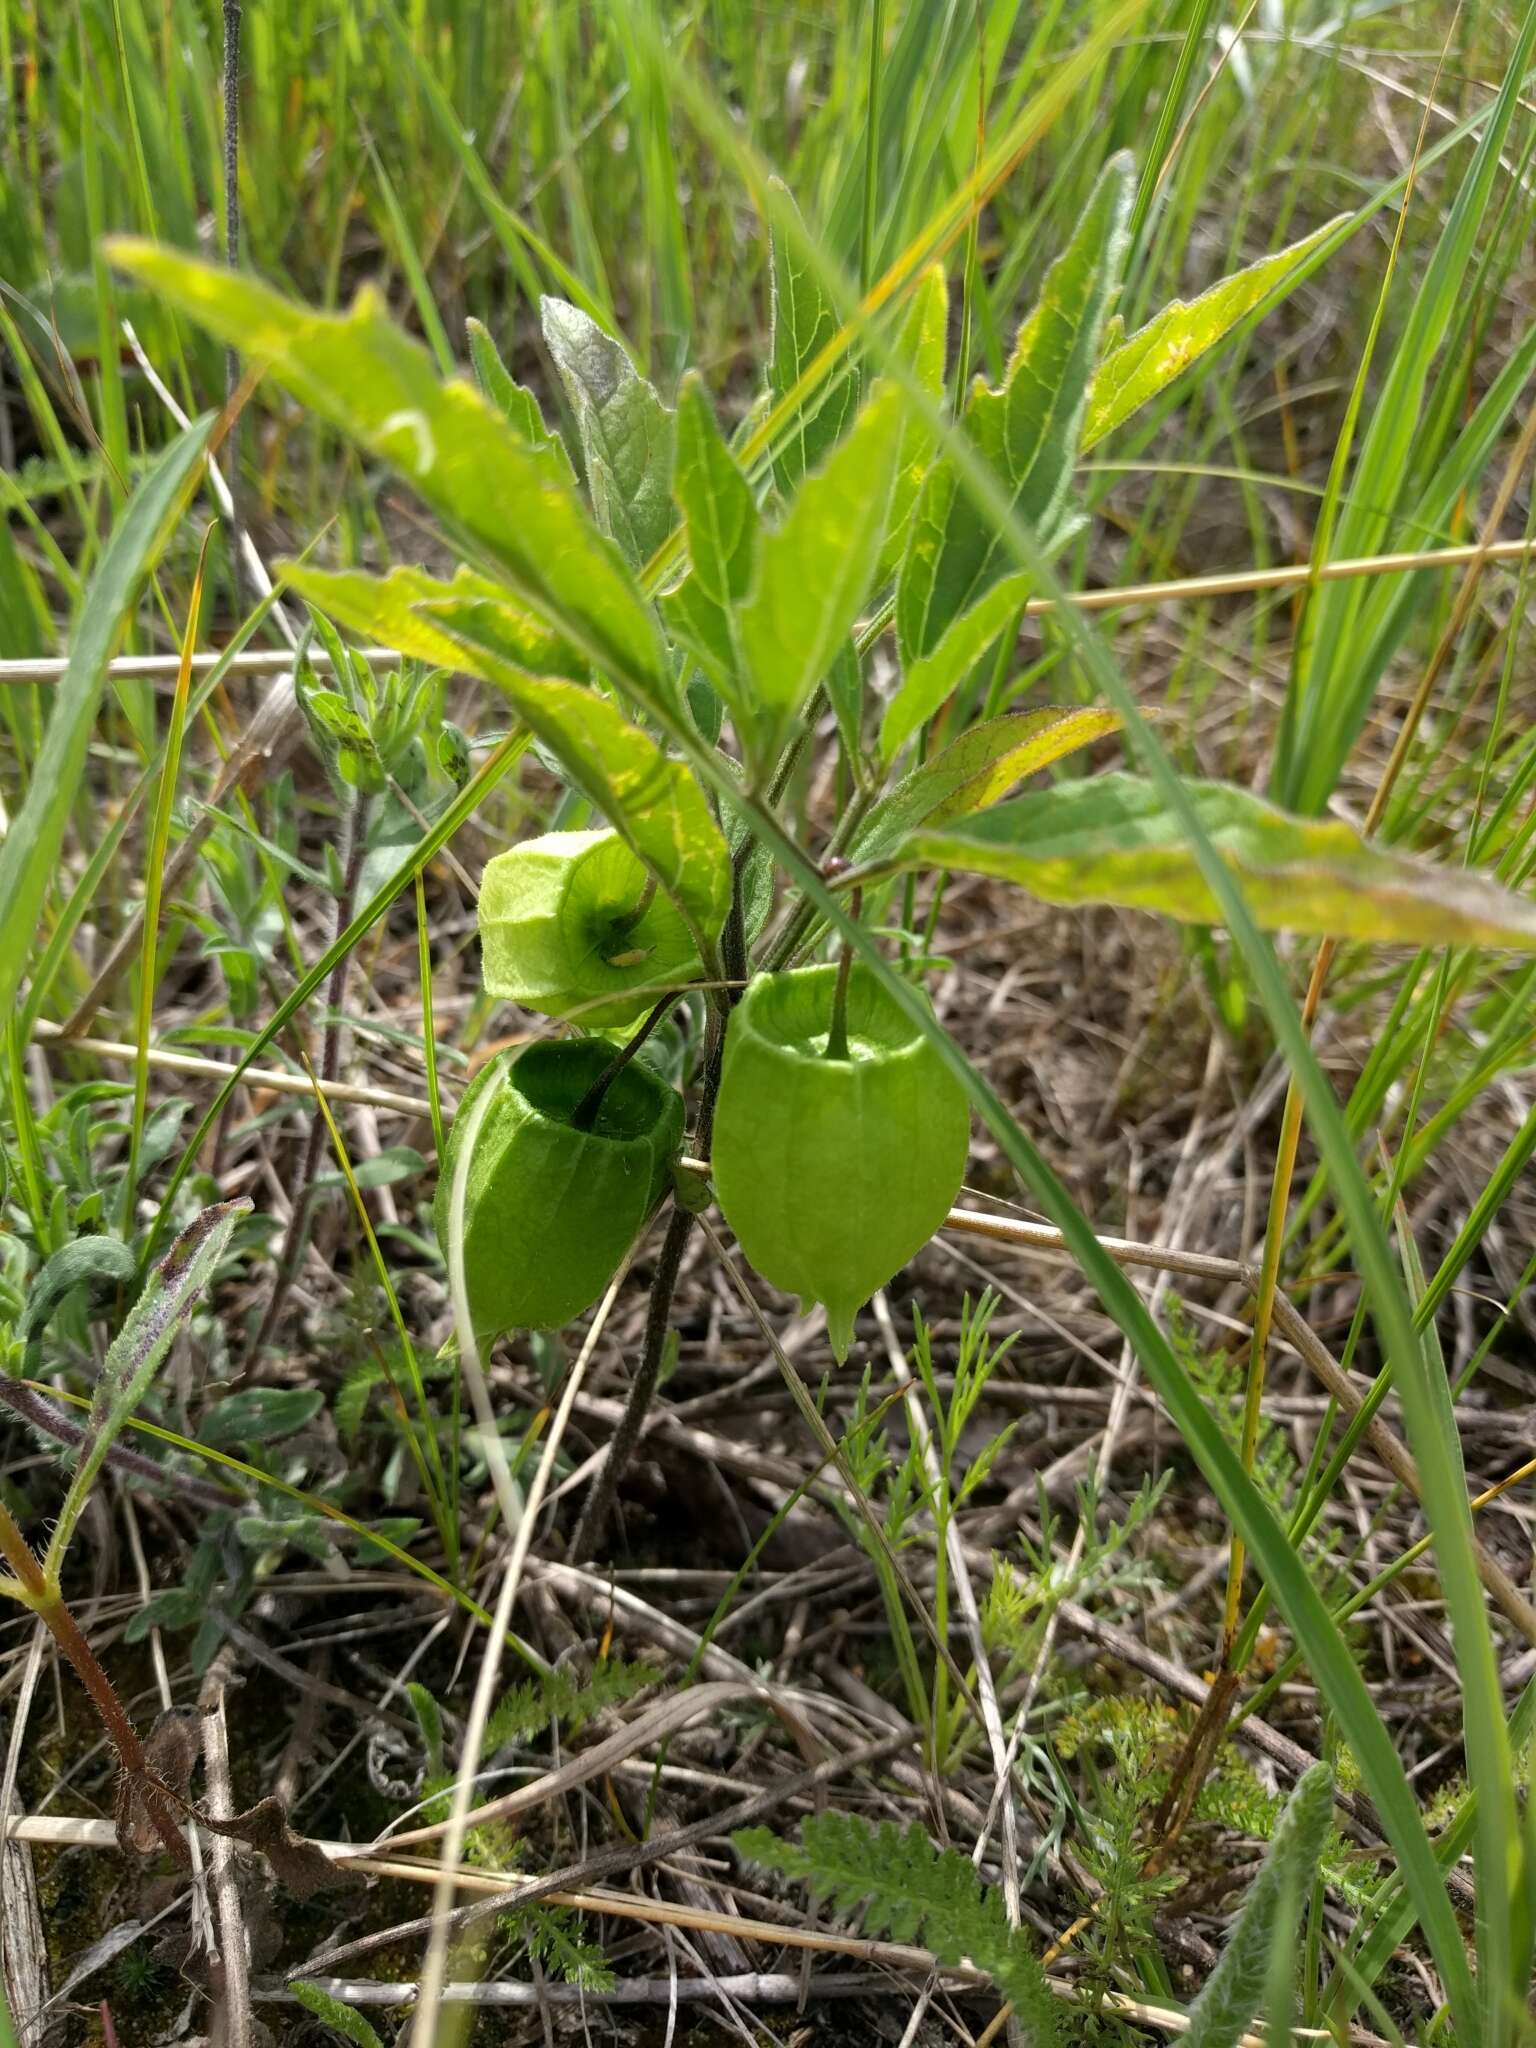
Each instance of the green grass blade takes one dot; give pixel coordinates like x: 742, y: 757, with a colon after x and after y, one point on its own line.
x: 31, y: 847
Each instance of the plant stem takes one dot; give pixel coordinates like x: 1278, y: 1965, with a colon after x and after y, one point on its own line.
x: 593, y: 1519
x: 837, y: 1037
x: 232, y: 258
x: 47, y: 1602
x: 330, y: 1061
x: 584, y: 1115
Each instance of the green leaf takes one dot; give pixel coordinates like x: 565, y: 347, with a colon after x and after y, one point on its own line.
x: 977, y: 769
x: 804, y: 321
x: 386, y: 609
x: 30, y: 848
x: 922, y: 345
x: 98, y: 1263
x: 1028, y: 430
x: 345, y: 2020
x: 721, y: 523
x: 626, y: 431
x: 815, y: 569
x: 653, y: 801
x: 517, y: 404
x: 1114, y: 840
x: 1231, y: 1995
x: 136, y: 1352
x: 901, y: 1885
x: 379, y: 387
x: 1136, y: 370
x: 928, y: 680
x: 258, y: 1415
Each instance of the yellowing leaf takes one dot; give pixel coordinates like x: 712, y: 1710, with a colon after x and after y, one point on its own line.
x: 387, y: 609
x: 1137, y: 369
x: 977, y: 769
x: 379, y: 387
x: 1114, y: 840
x: 651, y: 800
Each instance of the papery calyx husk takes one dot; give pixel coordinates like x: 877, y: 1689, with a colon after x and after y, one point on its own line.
x: 566, y: 928
x: 834, y: 1172
x: 550, y: 1210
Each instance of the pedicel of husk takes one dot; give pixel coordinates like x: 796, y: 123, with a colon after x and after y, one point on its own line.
x: 570, y: 923
x: 550, y: 1208
x: 834, y: 1171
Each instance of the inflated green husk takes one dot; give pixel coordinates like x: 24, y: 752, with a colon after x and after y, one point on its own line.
x: 550, y: 1210
x: 832, y: 1173
x: 558, y: 930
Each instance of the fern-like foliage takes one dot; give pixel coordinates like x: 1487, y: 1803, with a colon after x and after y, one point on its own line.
x: 553, y: 1935
x: 526, y: 1710
x: 901, y: 1886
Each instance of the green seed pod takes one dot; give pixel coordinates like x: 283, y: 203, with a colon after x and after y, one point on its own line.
x: 569, y: 919
x: 833, y: 1172
x: 549, y: 1210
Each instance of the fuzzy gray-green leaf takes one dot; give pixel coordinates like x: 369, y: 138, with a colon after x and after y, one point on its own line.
x: 626, y: 431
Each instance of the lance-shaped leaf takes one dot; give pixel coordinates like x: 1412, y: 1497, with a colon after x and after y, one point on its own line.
x: 804, y: 321
x: 815, y: 569
x: 1028, y: 430
x: 137, y: 1351
x: 978, y: 769
x: 651, y: 800
x: 387, y: 609
x: 1113, y: 839
x: 929, y: 679
x: 626, y: 431
x: 379, y: 387
x: 514, y: 401
x: 921, y: 344
x: 1137, y: 369
x: 721, y: 522
x: 36, y: 831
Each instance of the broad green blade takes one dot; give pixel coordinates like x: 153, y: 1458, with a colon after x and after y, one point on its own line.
x: 1114, y: 839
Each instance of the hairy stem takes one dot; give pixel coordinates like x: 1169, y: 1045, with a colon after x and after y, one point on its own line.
x: 47, y: 1602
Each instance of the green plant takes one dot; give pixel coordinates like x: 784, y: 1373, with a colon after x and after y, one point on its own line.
x: 901, y: 1886
x: 839, y: 1142
x: 137, y: 1353
x: 766, y: 603
x: 566, y: 1159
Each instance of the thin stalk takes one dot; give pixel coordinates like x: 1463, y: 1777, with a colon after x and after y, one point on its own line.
x: 593, y: 1520
x: 330, y: 1060
x: 871, y: 145
x: 232, y: 258
x: 48, y: 1604
x: 584, y: 1115
x: 837, y: 1036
